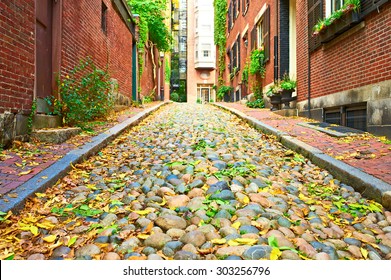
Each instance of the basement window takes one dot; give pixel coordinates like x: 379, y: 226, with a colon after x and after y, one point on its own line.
x: 104, y: 18
x: 354, y: 116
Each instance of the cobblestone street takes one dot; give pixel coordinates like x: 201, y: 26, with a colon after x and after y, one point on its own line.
x: 195, y: 182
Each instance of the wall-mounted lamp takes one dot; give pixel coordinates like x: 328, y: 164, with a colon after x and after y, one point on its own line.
x: 246, y: 42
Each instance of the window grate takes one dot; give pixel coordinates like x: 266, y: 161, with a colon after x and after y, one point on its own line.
x: 357, y: 119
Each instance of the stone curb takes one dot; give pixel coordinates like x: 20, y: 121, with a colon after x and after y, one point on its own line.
x: 368, y: 185
x: 60, y: 168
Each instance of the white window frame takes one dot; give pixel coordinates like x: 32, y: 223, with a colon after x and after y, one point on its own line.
x: 330, y: 6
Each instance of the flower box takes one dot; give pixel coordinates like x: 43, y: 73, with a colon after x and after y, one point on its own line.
x: 339, y: 26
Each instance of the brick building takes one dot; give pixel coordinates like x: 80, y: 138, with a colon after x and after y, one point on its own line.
x: 266, y: 24
x: 39, y: 39
x: 344, y: 73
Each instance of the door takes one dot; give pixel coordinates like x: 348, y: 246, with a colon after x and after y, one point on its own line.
x: 205, y: 95
x: 43, y: 59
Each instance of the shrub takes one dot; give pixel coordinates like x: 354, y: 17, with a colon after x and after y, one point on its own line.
x: 258, y: 103
x: 222, y: 91
x: 174, y: 96
x: 85, y: 93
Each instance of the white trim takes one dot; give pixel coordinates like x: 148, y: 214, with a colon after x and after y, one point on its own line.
x: 260, y: 14
x: 245, y: 30
x: 328, y: 8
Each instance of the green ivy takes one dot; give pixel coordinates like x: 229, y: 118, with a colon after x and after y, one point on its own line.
x: 257, y: 63
x: 31, y: 116
x: 222, y: 91
x: 220, y: 39
x: 167, y: 71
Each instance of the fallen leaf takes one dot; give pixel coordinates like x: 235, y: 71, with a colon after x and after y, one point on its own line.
x: 72, y: 241
x: 25, y: 172
x: 50, y: 238
x: 236, y: 225
x: 219, y: 241
x: 364, y: 253
x: 246, y: 241
x: 142, y: 212
x: 34, y: 230
x: 13, y: 195
x: 275, y: 254
x: 143, y: 236
x: 148, y: 228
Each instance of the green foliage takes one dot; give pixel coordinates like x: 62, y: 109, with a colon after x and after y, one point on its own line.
x: 222, y: 91
x: 274, y: 89
x: 31, y: 116
x: 220, y: 39
x: 257, y: 62
x: 147, y: 99
x: 167, y: 71
x: 199, y: 101
x: 245, y: 73
x: 258, y: 103
x: 174, y: 96
x: 85, y: 93
x: 201, y: 145
x: 287, y: 83
x: 322, y: 24
x: 233, y: 171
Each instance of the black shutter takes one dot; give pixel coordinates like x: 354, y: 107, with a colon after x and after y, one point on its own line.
x: 254, y: 38
x: 230, y: 17
x: 235, y: 56
x: 315, y: 12
x: 266, y: 33
x: 238, y: 40
x: 368, y: 6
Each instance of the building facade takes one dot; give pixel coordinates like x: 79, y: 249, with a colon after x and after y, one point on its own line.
x: 267, y: 25
x: 201, y: 54
x: 345, y: 71
x: 44, y: 38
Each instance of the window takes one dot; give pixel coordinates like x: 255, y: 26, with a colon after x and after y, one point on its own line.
x: 235, y: 56
x: 315, y: 12
x: 354, y: 116
x: 206, y: 50
x: 260, y: 34
x: 104, y: 18
x: 206, y: 53
x: 245, y: 4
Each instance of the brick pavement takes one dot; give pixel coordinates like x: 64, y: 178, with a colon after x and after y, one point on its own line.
x: 25, y: 160
x: 366, y: 152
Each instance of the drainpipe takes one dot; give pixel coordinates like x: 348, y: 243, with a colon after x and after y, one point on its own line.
x: 276, y: 75
x: 309, y: 83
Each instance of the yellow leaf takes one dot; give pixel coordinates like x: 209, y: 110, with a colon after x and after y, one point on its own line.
x: 219, y: 241
x: 158, y: 174
x: 13, y: 195
x: 40, y: 195
x: 25, y: 172
x: 58, y: 244
x: 46, y: 225
x: 364, y: 253
x: 106, y: 208
x: 246, y: 241
x: 163, y: 202
x: 233, y: 243
x: 236, y: 225
x: 304, y: 257
x: 34, y: 230
x: 142, y: 212
x: 44, y: 177
x: 72, y: 241
x: 148, y: 228
x: 50, y: 238
x: 142, y: 236
x: 18, y: 164
x: 275, y: 254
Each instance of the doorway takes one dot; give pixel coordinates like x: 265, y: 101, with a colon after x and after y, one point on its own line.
x: 205, y: 93
x: 43, y: 55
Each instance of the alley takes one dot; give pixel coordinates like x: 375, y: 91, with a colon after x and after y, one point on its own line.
x: 194, y: 182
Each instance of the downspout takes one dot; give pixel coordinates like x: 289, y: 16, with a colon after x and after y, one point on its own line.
x: 309, y: 83
x: 276, y: 76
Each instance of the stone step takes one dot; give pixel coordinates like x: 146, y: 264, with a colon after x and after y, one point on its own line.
x: 46, y: 121
x: 57, y: 135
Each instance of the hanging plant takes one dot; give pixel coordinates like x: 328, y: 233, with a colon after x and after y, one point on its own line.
x: 257, y: 62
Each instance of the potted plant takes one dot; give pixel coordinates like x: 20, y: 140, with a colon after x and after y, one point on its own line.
x: 288, y: 86
x: 274, y: 93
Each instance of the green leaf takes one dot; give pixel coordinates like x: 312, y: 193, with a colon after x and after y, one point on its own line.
x: 272, y: 241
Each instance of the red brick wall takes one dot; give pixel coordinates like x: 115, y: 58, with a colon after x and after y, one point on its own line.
x: 83, y: 36
x: 302, y: 49
x: 361, y: 59
x: 16, y: 55
x: 238, y: 28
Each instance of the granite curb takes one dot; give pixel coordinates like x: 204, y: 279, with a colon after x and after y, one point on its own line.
x: 60, y: 168
x: 368, y: 185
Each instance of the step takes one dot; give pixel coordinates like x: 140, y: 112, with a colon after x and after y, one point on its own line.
x: 56, y: 135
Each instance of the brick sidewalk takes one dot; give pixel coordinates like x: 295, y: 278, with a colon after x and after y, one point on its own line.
x: 365, y: 152
x: 25, y: 160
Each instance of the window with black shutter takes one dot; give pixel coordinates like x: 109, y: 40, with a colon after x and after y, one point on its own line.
x: 238, y: 43
x: 234, y: 56
x: 254, y: 38
x: 368, y: 6
x: 266, y: 33
x: 230, y: 17
x: 315, y: 12
x: 245, y: 4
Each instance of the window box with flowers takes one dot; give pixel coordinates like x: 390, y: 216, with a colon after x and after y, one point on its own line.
x: 338, y: 22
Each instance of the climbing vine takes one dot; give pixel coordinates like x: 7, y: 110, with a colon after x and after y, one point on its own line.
x: 220, y: 39
x: 152, y: 28
x: 167, y: 71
